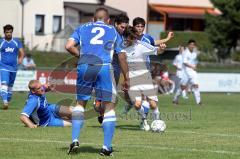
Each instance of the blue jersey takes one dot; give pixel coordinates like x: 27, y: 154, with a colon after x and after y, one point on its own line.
x: 148, y: 39
x: 97, y: 41
x: 9, y: 54
x: 37, y: 108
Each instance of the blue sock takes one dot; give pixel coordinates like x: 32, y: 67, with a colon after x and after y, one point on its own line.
x: 77, y: 122
x: 4, y: 93
x: 9, y: 96
x: 109, y: 123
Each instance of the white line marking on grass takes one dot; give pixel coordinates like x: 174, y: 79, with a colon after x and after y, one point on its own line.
x: 126, y: 145
x: 202, y: 133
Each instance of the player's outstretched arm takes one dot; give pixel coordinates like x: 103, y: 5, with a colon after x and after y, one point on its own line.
x: 169, y: 37
x: 20, y: 55
x: 27, y: 121
x: 71, y: 48
x: 124, y: 67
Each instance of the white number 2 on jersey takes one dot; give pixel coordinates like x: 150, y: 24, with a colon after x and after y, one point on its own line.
x: 96, y: 39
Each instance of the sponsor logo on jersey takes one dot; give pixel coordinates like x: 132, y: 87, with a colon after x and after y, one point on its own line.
x: 8, y: 49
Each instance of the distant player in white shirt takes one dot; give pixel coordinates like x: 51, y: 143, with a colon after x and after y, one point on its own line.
x: 141, y: 83
x: 178, y: 63
x: 189, y: 74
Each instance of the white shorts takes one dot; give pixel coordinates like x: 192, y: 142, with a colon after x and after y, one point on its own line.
x: 142, y: 86
x: 186, y: 79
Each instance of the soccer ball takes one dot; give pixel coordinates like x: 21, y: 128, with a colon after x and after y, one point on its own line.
x: 158, y: 126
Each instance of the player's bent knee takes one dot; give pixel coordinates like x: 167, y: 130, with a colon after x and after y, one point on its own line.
x: 66, y: 123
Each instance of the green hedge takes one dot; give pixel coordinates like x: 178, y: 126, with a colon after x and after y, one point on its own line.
x: 181, y: 38
x: 51, y: 59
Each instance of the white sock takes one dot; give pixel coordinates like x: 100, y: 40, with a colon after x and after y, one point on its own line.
x: 177, y: 94
x: 197, y: 96
x: 184, y: 94
x: 141, y: 113
x: 172, y: 88
x: 156, y: 114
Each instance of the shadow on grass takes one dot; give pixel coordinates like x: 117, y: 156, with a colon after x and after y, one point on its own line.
x: 123, y: 127
x: 128, y: 127
x: 82, y: 149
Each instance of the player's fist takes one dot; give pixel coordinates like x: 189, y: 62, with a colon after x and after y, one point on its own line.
x: 162, y: 46
x: 170, y: 35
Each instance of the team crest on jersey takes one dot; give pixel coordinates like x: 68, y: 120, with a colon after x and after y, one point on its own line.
x: 8, y: 49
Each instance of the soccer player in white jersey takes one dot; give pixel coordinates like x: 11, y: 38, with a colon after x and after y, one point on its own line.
x: 141, y: 83
x: 178, y: 64
x: 189, y: 72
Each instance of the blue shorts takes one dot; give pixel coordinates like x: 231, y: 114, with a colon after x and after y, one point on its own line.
x: 97, y: 77
x: 7, y: 77
x: 55, y: 119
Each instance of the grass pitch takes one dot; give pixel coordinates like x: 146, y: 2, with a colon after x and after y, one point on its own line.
x: 210, y: 131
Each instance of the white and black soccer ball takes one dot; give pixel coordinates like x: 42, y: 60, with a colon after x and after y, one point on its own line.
x: 158, y: 126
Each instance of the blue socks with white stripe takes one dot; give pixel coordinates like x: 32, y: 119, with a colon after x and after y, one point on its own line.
x: 77, y: 122
x: 4, y: 93
x: 9, y: 96
x: 109, y: 123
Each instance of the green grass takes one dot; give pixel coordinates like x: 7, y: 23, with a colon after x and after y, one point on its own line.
x: 211, y: 131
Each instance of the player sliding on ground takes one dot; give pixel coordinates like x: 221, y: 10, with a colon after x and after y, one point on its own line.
x: 141, y: 83
x: 38, y: 112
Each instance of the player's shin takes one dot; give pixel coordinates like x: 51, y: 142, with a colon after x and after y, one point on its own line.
x: 177, y: 94
x: 4, y: 93
x: 197, y: 96
x: 146, y: 106
x: 109, y: 123
x: 77, y: 122
x: 9, y: 95
x: 156, y: 114
x: 141, y: 112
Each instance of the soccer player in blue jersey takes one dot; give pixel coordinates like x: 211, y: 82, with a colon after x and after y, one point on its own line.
x: 38, y: 112
x: 11, y: 54
x: 120, y: 23
x: 96, y: 40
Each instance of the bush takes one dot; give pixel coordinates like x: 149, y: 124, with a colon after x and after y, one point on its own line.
x: 236, y: 56
x: 181, y: 38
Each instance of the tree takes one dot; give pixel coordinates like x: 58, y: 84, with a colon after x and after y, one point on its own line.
x: 224, y: 30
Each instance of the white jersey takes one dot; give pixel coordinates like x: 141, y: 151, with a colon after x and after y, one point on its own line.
x: 178, y: 62
x: 189, y: 58
x: 137, y: 55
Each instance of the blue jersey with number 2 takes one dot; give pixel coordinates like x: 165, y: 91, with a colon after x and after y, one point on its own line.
x: 97, y: 42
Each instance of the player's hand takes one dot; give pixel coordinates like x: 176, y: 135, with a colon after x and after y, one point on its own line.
x: 170, y: 35
x: 194, y: 67
x: 125, y: 85
x: 20, y: 61
x: 33, y: 126
x: 162, y: 46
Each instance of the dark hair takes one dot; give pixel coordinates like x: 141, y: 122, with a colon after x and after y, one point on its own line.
x: 101, y: 9
x: 7, y: 27
x: 121, y: 18
x: 130, y: 35
x: 28, y: 55
x: 191, y: 41
x: 138, y: 20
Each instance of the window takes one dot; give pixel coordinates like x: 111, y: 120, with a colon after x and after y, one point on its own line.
x: 39, y: 25
x: 57, y: 24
